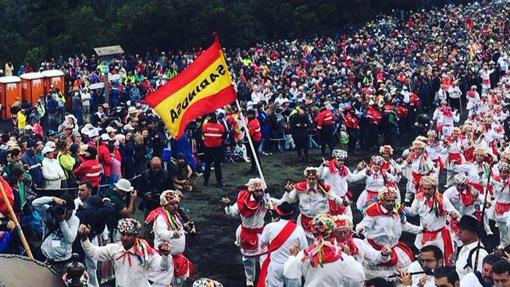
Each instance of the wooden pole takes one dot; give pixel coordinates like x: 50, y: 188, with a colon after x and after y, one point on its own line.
x: 15, y: 219
x: 483, y: 215
x: 252, y: 147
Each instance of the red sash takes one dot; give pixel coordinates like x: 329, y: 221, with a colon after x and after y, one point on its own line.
x: 394, y: 257
x: 468, y: 154
x: 467, y: 198
x: 455, y: 157
x: 371, y: 195
x: 182, y: 266
x: 335, y: 208
x: 439, y: 163
x: 480, y: 188
x: 428, y: 236
x: 250, y: 237
x: 277, y: 242
x: 306, y: 223
x: 416, y: 179
x: 502, y: 208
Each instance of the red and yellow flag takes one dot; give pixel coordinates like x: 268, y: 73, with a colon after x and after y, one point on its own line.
x: 203, y: 87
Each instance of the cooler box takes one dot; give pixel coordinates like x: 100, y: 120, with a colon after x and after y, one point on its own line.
x: 10, y: 92
x: 32, y: 86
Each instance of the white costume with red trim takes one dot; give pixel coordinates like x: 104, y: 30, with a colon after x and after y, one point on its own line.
x: 455, y: 157
x: 337, y: 178
x: 500, y: 211
x: 312, y: 201
x: 252, y: 213
x: 473, y: 101
x: 433, y: 214
x: 382, y: 227
x: 373, y: 182
x: 417, y: 167
x: 445, y: 119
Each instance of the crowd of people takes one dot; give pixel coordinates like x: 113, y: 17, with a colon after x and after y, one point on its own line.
x: 76, y: 167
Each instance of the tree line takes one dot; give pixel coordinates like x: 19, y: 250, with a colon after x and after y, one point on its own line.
x: 33, y: 30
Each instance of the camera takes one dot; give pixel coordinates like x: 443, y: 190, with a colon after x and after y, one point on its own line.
x: 54, y: 212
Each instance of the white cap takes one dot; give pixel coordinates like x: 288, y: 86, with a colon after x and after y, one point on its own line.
x: 47, y: 149
x: 105, y: 137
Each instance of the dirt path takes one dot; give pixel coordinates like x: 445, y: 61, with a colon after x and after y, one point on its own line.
x: 213, y: 250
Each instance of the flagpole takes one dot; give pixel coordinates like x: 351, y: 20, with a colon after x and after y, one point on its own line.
x: 14, y: 218
x: 252, y: 148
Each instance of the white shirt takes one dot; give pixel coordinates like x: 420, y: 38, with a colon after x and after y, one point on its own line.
x: 338, y: 182
x: 454, y: 92
x: 470, y: 280
x: 126, y: 274
x: 58, y: 245
x: 416, y: 267
x: 463, y: 257
x: 385, y: 230
x: 280, y: 255
x: 310, y: 203
x: 343, y: 272
x: 163, y: 232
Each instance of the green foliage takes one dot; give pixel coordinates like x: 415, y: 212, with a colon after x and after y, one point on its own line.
x: 35, y: 29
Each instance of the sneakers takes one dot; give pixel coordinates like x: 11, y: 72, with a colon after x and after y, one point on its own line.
x: 249, y: 283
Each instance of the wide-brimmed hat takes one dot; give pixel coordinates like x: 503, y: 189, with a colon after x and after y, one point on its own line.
x: 124, y: 185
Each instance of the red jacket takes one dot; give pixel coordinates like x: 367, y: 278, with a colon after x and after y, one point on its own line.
x: 89, y: 170
x: 351, y: 121
x: 255, y: 132
x: 375, y: 115
x: 105, y: 159
x: 213, y: 134
x: 325, y: 118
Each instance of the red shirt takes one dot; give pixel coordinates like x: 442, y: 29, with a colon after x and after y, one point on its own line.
x: 213, y: 134
x: 89, y: 170
x: 325, y: 118
x: 255, y: 132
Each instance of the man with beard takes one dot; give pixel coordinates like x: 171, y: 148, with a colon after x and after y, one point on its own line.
x: 132, y: 257
x: 152, y: 183
x: 299, y: 124
x: 484, y: 278
x: 433, y: 212
x: 357, y: 247
x: 430, y: 258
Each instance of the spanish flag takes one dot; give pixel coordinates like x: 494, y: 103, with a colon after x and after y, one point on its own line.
x: 203, y: 87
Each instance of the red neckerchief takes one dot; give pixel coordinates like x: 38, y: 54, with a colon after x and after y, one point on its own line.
x: 349, y: 242
x: 141, y: 250
x: 333, y: 168
x: 467, y: 197
x: 247, y: 205
x: 435, y: 203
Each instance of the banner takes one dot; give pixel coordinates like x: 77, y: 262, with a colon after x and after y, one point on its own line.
x: 203, y: 87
